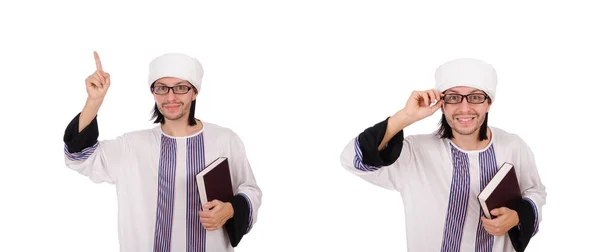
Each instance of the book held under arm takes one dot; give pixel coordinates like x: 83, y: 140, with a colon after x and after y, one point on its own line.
x: 502, y: 191
x: 214, y: 182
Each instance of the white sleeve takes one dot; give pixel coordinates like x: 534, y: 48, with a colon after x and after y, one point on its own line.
x: 243, y: 179
x: 97, y: 162
x: 533, y: 189
x: 388, y: 177
x: 83, y: 153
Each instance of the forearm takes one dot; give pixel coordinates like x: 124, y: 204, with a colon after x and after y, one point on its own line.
x: 86, y: 155
x: 522, y: 233
x: 395, y: 124
x: 78, y: 138
x: 89, y: 112
x: 238, y: 225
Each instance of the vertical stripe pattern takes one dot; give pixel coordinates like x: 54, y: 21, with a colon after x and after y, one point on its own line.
x: 195, y: 233
x: 484, y: 241
x: 457, y: 202
x: 358, y: 162
x: 166, y: 191
x: 535, y: 215
x: 249, y: 212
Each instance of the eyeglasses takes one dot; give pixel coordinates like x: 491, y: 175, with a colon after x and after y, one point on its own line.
x: 179, y: 89
x: 471, y: 98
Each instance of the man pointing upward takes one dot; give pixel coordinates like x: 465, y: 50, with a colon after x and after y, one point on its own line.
x: 154, y: 169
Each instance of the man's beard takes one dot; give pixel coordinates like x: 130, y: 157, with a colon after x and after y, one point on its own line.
x: 477, y: 122
x: 184, y: 109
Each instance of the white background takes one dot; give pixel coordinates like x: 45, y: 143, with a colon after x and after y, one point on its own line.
x: 297, y: 81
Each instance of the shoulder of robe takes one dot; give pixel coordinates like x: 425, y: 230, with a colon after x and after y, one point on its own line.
x: 417, y: 140
x: 506, y: 138
x: 221, y: 132
x: 143, y: 134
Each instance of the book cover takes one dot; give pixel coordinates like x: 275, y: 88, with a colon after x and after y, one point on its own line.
x: 214, y: 182
x: 503, y: 190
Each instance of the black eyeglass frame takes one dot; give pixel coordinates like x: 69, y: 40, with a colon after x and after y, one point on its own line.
x: 485, y: 97
x: 171, y: 89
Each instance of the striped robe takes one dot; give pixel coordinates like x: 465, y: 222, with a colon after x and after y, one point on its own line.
x: 154, y: 176
x: 439, y: 184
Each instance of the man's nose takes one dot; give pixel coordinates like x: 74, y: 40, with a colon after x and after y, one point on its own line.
x: 170, y: 94
x: 464, y: 105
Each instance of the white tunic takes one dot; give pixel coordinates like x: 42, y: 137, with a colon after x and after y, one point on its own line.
x: 439, y: 184
x: 154, y: 175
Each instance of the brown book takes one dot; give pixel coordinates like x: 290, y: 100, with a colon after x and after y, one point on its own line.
x: 502, y: 191
x: 214, y: 182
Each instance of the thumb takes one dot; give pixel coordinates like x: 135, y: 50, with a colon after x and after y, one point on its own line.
x: 498, y: 211
x: 436, y: 106
x: 210, y: 204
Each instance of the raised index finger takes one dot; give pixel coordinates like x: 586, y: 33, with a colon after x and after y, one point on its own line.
x: 98, y: 63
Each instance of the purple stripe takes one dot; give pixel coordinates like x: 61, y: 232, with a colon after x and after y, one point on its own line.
x: 82, y: 155
x: 166, y: 191
x: 535, y: 211
x: 457, y: 202
x: 484, y: 241
x: 196, y: 234
x: 250, y: 212
x: 358, y: 163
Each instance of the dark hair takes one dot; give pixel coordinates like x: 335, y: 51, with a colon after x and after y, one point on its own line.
x: 445, y: 131
x: 159, y: 118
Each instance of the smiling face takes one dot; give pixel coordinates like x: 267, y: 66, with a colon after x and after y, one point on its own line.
x: 465, y: 118
x: 174, y: 103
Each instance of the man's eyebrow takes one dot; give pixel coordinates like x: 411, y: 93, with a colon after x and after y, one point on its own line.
x: 472, y: 92
x: 158, y: 82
